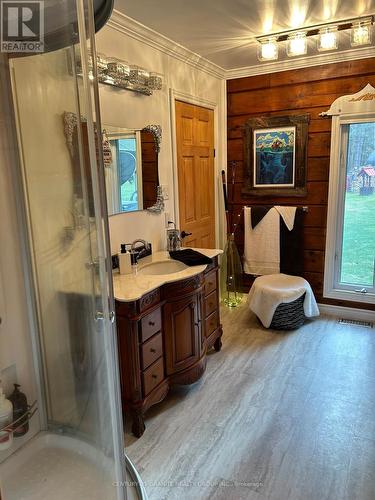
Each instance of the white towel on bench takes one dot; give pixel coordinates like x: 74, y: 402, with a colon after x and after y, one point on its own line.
x: 269, y: 291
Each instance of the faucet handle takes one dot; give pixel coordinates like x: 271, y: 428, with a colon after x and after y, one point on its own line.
x: 133, y: 258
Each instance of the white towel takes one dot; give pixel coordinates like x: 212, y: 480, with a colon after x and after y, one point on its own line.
x: 288, y: 214
x: 262, y: 244
x: 268, y: 292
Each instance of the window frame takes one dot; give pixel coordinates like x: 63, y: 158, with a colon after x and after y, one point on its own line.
x: 333, y: 289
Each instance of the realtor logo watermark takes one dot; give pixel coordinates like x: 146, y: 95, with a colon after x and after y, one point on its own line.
x: 22, y: 26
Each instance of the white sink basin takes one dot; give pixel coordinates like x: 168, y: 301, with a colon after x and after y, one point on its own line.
x: 162, y: 267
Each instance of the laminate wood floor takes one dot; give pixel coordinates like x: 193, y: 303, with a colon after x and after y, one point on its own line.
x: 279, y: 416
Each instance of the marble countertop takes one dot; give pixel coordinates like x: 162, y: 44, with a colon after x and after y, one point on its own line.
x: 130, y: 287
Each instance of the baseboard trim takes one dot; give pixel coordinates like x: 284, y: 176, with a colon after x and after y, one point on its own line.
x: 347, y: 312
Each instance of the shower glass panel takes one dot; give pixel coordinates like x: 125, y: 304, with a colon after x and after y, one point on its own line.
x: 57, y: 118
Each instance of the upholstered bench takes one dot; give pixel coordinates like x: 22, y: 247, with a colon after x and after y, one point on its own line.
x: 281, y: 301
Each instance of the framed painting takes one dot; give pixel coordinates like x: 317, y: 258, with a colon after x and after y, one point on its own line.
x: 275, y: 155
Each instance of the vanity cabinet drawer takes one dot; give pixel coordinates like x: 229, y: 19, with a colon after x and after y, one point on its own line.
x: 153, y: 376
x: 148, y: 300
x: 210, y: 283
x: 210, y: 303
x: 182, y: 288
x: 150, y: 325
x: 211, y: 323
x: 151, y: 350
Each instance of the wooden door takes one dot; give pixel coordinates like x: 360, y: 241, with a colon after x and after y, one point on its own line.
x: 195, y: 169
x: 183, y: 331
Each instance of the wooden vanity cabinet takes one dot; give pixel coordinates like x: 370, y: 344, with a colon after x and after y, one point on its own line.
x: 163, y: 339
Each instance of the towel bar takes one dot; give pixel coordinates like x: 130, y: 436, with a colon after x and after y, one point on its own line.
x: 304, y: 208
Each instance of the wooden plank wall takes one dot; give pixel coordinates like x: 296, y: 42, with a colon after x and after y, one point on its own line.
x: 308, y: 90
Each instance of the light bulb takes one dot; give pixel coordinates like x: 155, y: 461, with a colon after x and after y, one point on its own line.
x: 327, y: 38
x: 360, y: 34
x: 268, y: 49
x: 297, y: 44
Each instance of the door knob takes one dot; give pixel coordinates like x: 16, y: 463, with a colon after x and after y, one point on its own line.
x: 184, y: 234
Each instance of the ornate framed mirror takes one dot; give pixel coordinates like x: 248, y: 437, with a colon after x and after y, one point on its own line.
x: 131, y: 162
x: 132, y: 169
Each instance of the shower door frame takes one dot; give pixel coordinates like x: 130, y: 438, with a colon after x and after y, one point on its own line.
x: 27, y: 247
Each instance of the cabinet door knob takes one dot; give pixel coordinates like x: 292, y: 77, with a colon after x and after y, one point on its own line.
x: 152, y: 349
x: 151, y: 323
x: 154, y: 376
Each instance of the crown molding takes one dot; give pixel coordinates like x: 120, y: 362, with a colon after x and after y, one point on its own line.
x: 128, y: 26
x: 301, y: 62
x: 152, y: 38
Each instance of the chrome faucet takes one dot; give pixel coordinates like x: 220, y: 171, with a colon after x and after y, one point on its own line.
x: 142, y: 252
x: 173, y: 238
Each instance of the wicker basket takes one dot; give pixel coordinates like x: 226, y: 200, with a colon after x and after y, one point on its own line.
x: 289, y: 316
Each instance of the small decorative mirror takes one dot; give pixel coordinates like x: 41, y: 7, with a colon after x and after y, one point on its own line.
x: 131, y: 165
x: 131, y: 171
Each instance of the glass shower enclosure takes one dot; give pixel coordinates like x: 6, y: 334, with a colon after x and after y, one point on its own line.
x: 79, y: 451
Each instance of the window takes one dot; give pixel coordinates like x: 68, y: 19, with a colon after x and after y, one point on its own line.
x: 355, y: 253
x: 350, y: 244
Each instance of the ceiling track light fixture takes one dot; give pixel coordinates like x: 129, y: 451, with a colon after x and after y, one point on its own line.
x: 326, y: 38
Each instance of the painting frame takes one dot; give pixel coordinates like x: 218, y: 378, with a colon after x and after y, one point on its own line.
x: 277, y: 124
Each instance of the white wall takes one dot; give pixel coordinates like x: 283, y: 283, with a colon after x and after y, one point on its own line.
x: 127, y: 109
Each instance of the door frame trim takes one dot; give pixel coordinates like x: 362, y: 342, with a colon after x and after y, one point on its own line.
x: 174, y: 96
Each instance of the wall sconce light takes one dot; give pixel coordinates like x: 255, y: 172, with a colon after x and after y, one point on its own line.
x: 155, y: 81
x: 327, y: 39
x: 361, y: 33
x: 138, y: 76
x: 268, y: 49
x: 296, y: 44
x: 118, y: 71
x: 120, y: 74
